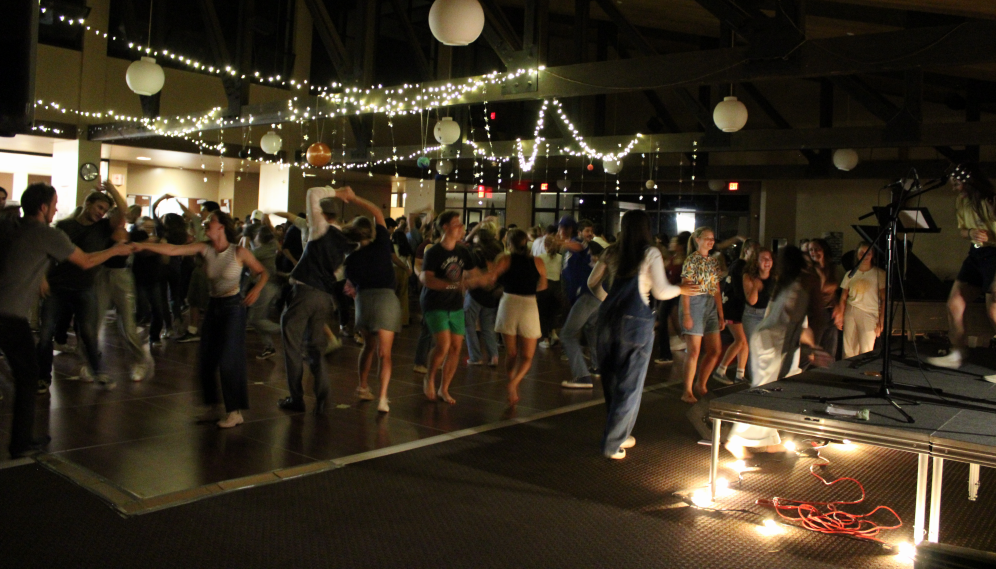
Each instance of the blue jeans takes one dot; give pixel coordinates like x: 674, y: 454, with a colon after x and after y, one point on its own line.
x: 223, y: 352
x: 83, y: 306
x: 625, y: 342
x: 583, y: 316
x: 474, y: 313
x: 751, y: 320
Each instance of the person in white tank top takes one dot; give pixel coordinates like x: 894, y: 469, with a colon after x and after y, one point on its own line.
x: 223, y: 344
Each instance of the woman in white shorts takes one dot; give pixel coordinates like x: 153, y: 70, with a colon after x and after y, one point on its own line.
x: 522, y: 276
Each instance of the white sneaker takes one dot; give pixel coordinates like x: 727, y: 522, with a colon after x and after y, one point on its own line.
x: 382, y: 405
x: 677, y: 344
x: 139, y: 371
x: 620, y: 454
x: 545, y: 344
x: 62, y: 349
x: 950, y: 361
x: 86, y: 374
x: 420, y: 369
x: 630, y: 442
x: 105, y: 381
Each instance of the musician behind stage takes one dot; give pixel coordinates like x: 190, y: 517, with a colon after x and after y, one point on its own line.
x: 976, y: 212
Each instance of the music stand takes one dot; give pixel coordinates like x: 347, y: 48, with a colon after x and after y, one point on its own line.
x: 890, y: 219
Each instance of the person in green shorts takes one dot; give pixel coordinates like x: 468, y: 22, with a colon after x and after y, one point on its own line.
x: 448, y: 270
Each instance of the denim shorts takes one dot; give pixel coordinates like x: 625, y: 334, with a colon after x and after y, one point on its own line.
x: 705, y: 318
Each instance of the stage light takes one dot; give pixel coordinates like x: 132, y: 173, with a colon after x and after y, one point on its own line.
x: 907, y: 552
x: 701, y: 498
x: 847, y: 445
x: 770, y: 528
x: 738, y: 466
x: 790, y: 446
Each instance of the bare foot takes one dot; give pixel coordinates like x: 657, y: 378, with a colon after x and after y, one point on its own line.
x: 689, y: 398
x: 513, y: 395
x: 429, y: 387
x: 445, y: 396
x: 701, y: 390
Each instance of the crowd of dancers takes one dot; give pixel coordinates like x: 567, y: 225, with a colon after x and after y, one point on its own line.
x: 307, y: 282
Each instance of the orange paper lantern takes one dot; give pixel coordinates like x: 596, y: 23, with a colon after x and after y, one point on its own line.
x: 319, y: 154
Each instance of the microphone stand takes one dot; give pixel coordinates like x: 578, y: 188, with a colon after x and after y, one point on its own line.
x: 899, y: 198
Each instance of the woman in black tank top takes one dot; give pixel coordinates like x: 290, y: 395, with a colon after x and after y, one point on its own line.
x: 758, y: 281
x: 522, y: 276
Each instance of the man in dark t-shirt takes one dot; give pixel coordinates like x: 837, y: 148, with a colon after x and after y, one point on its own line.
x: 71, y: 289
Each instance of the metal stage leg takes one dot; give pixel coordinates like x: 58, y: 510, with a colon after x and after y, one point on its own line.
x: 934, y: 529
x: 716, y: 423
x: 973, y: 482
x: 922, y: 467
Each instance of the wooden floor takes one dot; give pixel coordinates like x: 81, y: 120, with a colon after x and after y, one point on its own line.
x: 144, y: 440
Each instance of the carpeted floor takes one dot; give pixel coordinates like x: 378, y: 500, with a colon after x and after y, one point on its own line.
x: 532, y: 495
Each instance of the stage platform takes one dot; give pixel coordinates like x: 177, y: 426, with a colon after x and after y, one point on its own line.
x: 953, y: 412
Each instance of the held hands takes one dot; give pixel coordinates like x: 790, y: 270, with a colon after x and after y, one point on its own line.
x: 979, y: 235
x: 124, y: 249
x: 345, y: 193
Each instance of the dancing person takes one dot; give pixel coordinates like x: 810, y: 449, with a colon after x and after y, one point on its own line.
x: 424, y: 344
x: 521, y: 276
x: 758, y: 281
x: 701, y: 315
x: 626, y: 324
x: 480, y: 305
x: 976, y: 215
x: 861, y: 311
x: 668, y: 343
x: 551, y: 301
x: 303, y: 323
x: 830, y: 274
x: 378, y: 313
x: 733, y: 311
x: 265, y: 249
x: 796, y: 317
x: 448, y: 270
x: 27, y: 247
x: 223, y: 344
x: 149, y: 271
x: 115, y: 286
x: 578, y: 251
x: 72, y: 290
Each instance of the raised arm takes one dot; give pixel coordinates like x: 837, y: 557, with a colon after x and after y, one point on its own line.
x: 286, y: 215
x: 118, y: 219
x: 366, y: 204
x: 317, y: 225
x: 156, y: 203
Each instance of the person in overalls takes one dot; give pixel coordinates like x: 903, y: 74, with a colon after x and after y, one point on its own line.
x: 626, y: 324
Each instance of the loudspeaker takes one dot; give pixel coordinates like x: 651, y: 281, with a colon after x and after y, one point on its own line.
x: 18, y: 48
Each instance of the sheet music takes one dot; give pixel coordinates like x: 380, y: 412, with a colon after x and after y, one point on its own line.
x: 913, y: 218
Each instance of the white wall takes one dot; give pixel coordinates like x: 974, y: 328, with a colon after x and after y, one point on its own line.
x: 18, y: 167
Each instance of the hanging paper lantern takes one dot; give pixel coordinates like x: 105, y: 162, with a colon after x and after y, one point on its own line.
x: 717, y: 185
x: 319, y: 154
x: 845, y: 159
x: 444, y: 167
x: 145, y: 77
x: 730, y: 115
x: 271, y: 142
x: 650, y: 184
x: 446, y: 131
x: 591, y: 167
x: 564, y: 184
x: 611, y: 166
x: 423, y: 162
x: 456, y: 22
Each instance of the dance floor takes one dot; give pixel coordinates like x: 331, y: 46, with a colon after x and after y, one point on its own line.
x: 141, y: 447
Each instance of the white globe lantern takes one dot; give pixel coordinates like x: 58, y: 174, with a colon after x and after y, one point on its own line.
x: 730, y: 115
x: 446, y: 131
x: 271, y: 142
x: 717, y: 185
x: 444, y: 167
x: 845, y: 159
x: 563, y: 184
x: 650, y: 184
x: 145, y: 77
x: 611, y: 166
x: 456, y: 22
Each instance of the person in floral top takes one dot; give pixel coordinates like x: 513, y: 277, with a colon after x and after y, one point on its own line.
x: 701, y: 316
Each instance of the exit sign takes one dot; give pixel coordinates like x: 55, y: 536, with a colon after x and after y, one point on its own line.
x: 734, y: 186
